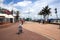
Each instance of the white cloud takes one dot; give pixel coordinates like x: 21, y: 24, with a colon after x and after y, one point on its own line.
x: 35, y: 7
x: 9, y: 6
x: 23, y: 3
x: 53, y: 6
x: 1, y: 1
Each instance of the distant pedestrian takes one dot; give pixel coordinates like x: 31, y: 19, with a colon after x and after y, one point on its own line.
x: 22, y: 21
x: 19, y: 29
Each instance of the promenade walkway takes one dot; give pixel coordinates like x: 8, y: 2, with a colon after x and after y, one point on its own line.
x: 31, y: 31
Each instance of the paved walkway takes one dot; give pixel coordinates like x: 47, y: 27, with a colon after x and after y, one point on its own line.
x: 49, y: 30
x: 31, y: 31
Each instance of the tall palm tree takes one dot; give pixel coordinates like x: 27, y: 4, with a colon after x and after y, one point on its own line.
x: 12, y: 12
x: 45, y: 11
x: 56, y: 13
x: 17, y: 16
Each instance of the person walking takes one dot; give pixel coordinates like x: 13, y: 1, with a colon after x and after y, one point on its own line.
x: 19, y: 29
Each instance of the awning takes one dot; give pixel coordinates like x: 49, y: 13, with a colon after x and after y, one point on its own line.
x: 6, y: 16
x: 10, y: 16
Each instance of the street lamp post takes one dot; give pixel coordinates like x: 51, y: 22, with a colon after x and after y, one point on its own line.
x: 28, y: 16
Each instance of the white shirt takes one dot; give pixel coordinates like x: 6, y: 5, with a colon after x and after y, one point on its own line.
x: 20, y: 27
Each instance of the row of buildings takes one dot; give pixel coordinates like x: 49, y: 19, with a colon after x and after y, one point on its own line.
x: 7, y: 16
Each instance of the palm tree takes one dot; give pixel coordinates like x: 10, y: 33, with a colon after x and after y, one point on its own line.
x: 17, y: 16
x: 56, y: 13
x: 45, y: 11
x: 12, y: 12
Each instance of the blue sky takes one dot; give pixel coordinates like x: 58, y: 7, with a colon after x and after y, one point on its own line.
x: 31, y: 6
x: 15, y: 1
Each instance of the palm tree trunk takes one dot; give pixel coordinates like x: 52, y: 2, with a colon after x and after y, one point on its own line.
x: 47, y: 18
x: 57, y: 17
x: 44, y: 19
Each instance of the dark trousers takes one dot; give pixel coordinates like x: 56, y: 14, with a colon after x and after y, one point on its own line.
x: 20, y: 31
